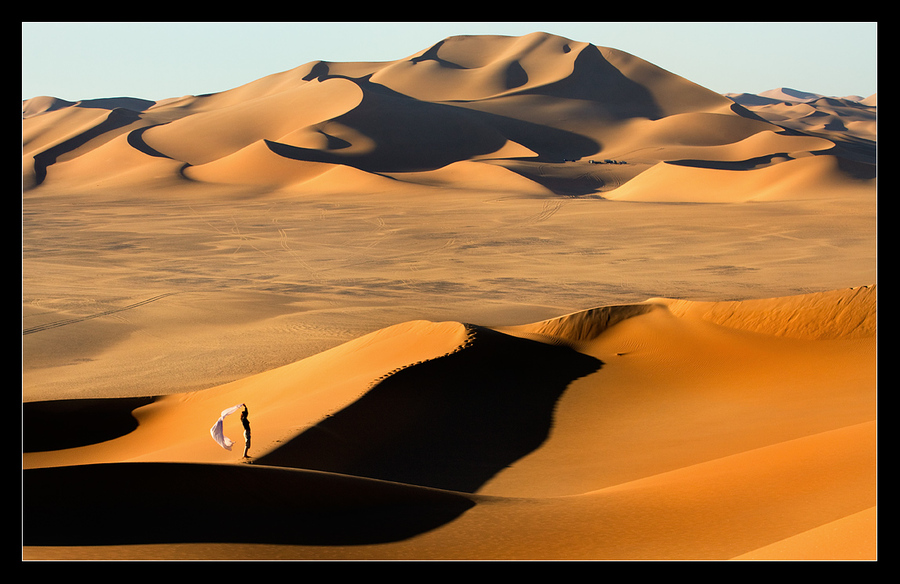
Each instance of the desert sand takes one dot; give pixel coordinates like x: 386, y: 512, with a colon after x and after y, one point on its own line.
x: 503, y: 299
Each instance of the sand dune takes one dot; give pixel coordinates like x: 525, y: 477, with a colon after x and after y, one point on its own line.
x: 698, y: 181
x: 841, y: 119
x: 505, y: 298
x: 590, y: 422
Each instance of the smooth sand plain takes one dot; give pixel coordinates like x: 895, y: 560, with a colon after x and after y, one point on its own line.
x: 507, y: 298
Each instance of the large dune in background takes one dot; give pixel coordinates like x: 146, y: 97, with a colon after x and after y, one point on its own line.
x: 392, y: 265
x: 541, y: 106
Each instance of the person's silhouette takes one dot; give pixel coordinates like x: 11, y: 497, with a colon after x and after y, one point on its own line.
x: 246, y: 422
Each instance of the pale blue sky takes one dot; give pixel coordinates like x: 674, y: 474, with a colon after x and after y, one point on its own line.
x: 157, y: 60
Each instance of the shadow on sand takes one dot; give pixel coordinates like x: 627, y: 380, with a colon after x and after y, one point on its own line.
x: 57, y: 425
x: 449, y: 423
x: 147, y: 503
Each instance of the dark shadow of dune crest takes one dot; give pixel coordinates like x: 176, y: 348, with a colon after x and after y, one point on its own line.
x: 117, y: 118
x: 432, y: 55
x: 61, y: 424
x: 595, y: 79
x: 147, y: 503
x: 735, y: 165
x: 408, y: 134
x: 412, y: 135
x: 448, y: 423
x: 516, y: 76
x: 136, y: 140
x: 131, y: 103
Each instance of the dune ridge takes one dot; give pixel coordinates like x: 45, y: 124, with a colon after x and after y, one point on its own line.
x: 838, y: 314
x: 585, y: 325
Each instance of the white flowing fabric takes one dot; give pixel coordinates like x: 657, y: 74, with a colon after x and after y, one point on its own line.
x: 218, y: 433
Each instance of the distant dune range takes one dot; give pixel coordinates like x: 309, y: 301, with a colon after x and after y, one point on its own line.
x: 519, y: 106
x: 504, y: 299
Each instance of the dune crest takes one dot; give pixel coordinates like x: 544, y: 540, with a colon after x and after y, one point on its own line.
x: 583, y: 326
x: 838, y: 314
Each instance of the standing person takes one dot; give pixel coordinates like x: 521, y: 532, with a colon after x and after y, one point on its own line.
x: 246, y: 422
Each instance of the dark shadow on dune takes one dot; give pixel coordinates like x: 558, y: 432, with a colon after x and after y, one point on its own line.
x: 147, y: 503
x: 319, y: 71
x: 563, y: 179
x: 549, y: 143
x: 55, y: 425
x: 745, y: 113
x: 116, y: 119
x: 136, y: 140
x: 335, y: 143
x: 413, y: 135
x: 408, y: 134
x: 856, y: 156
x: 432, y: 55
x: 449, y: 423
x: 597, y: 80
x: 857, y: 163
x: 748, y: 164
x: 857, y: 167
x: 516, y: 76
x: 131, y: 103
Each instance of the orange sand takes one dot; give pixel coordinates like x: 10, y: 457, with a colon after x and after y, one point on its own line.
x: 351, y: 249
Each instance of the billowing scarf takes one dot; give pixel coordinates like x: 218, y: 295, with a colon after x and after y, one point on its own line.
x: 217, y: 432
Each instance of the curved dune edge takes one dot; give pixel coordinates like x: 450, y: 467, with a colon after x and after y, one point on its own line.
x: 459, y: 68
x: 836, y: 314
x: 239, y: 120
x: 808, y: 177
x: 258, y: 165
x: 582, y: 326
x: 117, y: 164
x: 683, y: 421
